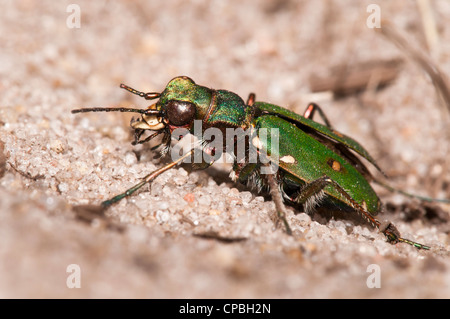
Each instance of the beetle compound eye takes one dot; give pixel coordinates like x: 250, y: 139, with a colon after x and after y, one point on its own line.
x: 180, y: 113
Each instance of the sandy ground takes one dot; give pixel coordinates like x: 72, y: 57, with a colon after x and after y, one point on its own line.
x: 151, y: 245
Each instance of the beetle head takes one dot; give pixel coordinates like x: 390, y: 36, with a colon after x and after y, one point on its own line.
x: 176, y: 108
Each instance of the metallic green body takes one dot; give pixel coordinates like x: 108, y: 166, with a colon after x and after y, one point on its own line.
x: 322, y: 129
x: 299, y: 139
x: 311, y: 161
x: 214, y: 107
x: 314, y: 161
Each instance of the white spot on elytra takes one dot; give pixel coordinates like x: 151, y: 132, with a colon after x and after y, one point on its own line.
x: 288, y: 159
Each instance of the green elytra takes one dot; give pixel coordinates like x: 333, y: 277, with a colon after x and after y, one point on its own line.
x: 316, y: 163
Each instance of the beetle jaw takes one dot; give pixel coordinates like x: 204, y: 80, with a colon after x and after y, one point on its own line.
x: 149, y: 121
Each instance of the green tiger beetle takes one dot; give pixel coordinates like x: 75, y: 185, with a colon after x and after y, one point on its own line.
x: 314, y: 164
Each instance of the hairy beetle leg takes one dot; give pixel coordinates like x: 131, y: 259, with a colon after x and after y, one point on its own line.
x: 314, y: 188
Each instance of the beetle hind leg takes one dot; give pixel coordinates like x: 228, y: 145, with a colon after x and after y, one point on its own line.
x: 315, y: 188
x: 310, y: 111
x: 311, y: 194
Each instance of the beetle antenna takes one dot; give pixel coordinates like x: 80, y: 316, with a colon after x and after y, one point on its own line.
x: 115, y: 109
x: 147, y: 96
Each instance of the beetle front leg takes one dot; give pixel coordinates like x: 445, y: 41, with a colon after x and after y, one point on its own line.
x: 147, y: 179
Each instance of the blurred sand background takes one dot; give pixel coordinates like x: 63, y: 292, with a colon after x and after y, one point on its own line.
x: 150, y: 246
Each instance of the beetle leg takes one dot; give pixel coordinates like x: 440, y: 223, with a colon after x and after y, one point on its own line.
x: 199, y: 153
x: 315, y: 188
x: 139, y: 133
x: 147, y: 179
x: 278, y: 200
x: 251, y: 99
x: 167, y: 138
x: 422, y: 198
x: 311, y: 193
x: 311, y: 109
